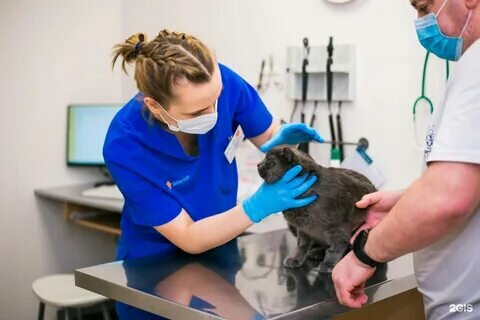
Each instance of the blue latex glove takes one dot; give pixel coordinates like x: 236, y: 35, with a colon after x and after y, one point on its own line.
x: 280, y: 195
x: 292, y: 134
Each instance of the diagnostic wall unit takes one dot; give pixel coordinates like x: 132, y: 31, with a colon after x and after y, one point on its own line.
x: 343, y: 69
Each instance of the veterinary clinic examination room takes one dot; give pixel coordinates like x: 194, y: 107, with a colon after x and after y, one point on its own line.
x: 240, y: 160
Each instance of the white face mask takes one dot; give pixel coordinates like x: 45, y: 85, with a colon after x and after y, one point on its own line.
x: 198, y: 125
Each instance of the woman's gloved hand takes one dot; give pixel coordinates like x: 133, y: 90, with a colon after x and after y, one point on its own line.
x: 280, y: 195
x: 292, y: 134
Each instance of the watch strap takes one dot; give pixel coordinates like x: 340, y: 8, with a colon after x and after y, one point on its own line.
x: 359, y: 252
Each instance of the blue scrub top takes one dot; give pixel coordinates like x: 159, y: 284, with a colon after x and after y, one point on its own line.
x: 157, y: 178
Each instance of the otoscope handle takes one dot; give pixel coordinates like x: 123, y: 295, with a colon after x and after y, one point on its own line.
x: 329, y: 71
x: 340, y: 136
x: 304, y: 70
x: 305, y: 42
x: 332, y: 130
x: 330, y: 47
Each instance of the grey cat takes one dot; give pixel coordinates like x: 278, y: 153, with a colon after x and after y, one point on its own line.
x: 324, y: 227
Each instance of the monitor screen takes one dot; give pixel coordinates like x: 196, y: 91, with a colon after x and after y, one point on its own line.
x: 86, y: 130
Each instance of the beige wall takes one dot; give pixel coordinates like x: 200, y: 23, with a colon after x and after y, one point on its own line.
x: 52, y: 53
x: 389, y: 60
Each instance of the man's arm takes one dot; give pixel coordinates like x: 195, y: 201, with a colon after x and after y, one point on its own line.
x: 441, y: 200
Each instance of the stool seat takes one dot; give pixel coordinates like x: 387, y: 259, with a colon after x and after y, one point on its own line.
x: 59, y: 290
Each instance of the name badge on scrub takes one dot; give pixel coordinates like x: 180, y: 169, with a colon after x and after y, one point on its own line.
x: 234, y: 143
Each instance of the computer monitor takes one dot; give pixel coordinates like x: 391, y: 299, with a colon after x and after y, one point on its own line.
x: 86, y: 130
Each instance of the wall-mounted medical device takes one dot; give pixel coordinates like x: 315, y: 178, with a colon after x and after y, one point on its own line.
x: 343, y: 73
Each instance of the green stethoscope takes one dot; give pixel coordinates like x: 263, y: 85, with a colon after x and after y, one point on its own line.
x: 423, y: 97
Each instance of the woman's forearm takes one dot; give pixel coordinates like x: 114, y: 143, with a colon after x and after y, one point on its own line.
x: 259, y: 140
x: 216, y: 230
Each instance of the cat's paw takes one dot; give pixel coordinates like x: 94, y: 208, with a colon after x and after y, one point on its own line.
x: 291, y: 284
x: 325, y: 268
x: 291, y: 262
x: 317, y: 254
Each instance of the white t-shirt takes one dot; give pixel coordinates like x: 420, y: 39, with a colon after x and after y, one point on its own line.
x: 448, y: 271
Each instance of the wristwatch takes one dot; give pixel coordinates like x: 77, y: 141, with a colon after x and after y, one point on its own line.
x: 358, y: 249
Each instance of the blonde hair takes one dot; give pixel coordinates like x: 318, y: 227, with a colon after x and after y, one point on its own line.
x: 170, y: 58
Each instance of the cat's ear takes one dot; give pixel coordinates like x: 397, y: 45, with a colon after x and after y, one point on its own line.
x: 288, y: 155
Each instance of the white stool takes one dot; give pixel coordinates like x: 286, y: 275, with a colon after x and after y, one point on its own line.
x: 59, y: 291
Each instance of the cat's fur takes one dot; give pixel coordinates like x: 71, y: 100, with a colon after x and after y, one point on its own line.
x: 324, y: 227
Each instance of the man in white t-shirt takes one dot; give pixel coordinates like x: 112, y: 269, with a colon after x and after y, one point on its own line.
x: 438, y: 216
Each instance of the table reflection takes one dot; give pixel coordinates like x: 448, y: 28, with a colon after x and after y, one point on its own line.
x: 243, y: 279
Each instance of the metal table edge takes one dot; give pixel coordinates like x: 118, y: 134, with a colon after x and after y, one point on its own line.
x: 148, y: 302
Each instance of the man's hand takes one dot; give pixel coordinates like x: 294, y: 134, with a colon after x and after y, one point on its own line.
x: 379, y: 204
x: 349, y: 277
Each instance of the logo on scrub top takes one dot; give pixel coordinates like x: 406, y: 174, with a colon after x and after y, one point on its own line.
x: 429, y: 142
x: 170, y: 185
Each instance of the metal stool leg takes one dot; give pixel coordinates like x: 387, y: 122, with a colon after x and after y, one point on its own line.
x: 79, y: 314
x: 105, y: 312
x: 66, y: 315
x: 41, y: 311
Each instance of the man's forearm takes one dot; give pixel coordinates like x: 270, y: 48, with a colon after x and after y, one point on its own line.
x: 426, y: 212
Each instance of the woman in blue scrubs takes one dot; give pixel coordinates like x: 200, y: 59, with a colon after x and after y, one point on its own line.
x: 166, y: 149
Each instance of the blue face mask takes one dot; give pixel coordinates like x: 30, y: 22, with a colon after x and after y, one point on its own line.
x: 432, y: 38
